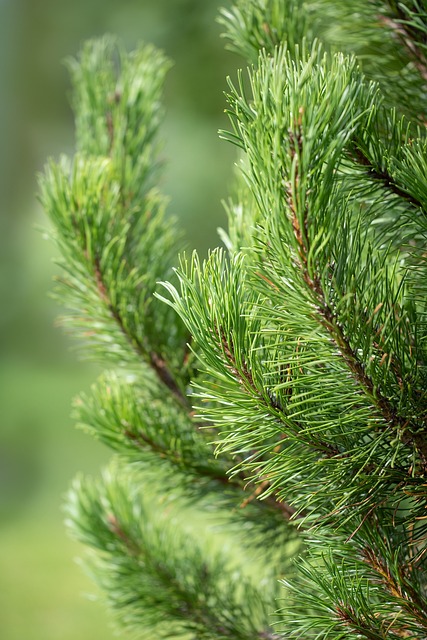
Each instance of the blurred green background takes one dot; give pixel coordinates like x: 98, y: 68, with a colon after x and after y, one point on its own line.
x: 41, y: 587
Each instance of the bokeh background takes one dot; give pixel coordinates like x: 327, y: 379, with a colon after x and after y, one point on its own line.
x: 43, y: 593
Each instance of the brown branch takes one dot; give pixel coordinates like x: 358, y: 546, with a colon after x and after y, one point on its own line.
x: 112, y: 99
x: 330, y: 321
x: 142, y: 440
x: 192, y: 604
x: 383, y: 177
x: 159, y: 366
x: 245, y: 378
x: 288, y: 511
x: 399, y: 423
x: 401, y: 588
x: 155, y: 361
x: 347, y: 614
x: 164, y: 375
x: 117, y: 530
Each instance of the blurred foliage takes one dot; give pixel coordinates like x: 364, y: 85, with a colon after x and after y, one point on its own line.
x: 39, y: 449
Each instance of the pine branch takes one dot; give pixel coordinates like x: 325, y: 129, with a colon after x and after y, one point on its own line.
x: 244, y: 377
x: 308, y: 340
x: 407, y: 428
x: 155, y: 361
x: 241, y: 482
x: 165, y: 376
x: 399, y: 587
x: 357, y: 624
x: 147, y: 563
x: 384, y: 178
x: 119, y: 414
x: 109, y: 220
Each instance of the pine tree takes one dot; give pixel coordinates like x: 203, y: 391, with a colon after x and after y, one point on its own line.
x: 266, y: 406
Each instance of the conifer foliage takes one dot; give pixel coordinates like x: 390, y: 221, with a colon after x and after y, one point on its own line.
x: 267, y: 406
